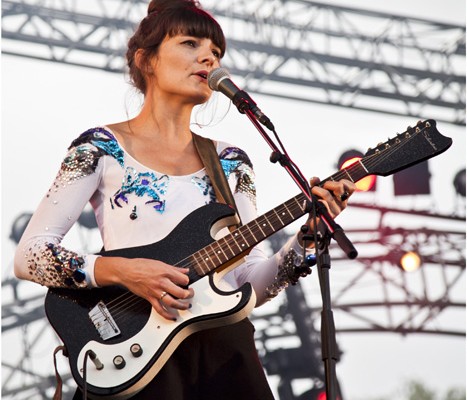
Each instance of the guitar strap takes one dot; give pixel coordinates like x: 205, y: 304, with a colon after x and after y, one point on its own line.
x: 208, y: 154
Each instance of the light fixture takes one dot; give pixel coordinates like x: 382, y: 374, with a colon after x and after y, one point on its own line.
x: 410, y: 261
x: 459, y: 182
x: 413, y: 180
x: 349, y: 158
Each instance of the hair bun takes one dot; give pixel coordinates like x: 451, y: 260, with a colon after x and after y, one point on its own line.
x: 161, y: 5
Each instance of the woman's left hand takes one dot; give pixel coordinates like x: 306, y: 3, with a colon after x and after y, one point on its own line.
x: 334, y: 195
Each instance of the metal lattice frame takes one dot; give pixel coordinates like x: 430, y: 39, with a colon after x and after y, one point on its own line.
x: 294, y: 49
x: 414, y: 303
x: 299, y: 50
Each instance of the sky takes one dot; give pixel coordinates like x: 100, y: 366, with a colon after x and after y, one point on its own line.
x: 45, y: 106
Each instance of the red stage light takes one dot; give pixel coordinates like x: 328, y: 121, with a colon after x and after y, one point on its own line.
x: 364, y: 185
x: 321, y: 396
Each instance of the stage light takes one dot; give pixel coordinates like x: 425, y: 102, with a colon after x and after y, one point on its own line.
x: 321, y: 396
x: 410, y: 261
x: 459, y: 182
x: 313, y: 394
x: 351, y: 157
x: 413, y: 180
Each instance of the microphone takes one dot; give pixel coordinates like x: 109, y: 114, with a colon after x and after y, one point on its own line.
x: 219, y: 80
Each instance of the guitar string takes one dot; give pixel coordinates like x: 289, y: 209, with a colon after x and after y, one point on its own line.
x: 254, y: 227
x: 115, y: 309
x: 139, y: 304
x: 190, y: 262
x: 370, y: 161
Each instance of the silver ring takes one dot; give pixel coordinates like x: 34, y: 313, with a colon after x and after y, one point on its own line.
x: 345, y: 196
x: 162, y: 295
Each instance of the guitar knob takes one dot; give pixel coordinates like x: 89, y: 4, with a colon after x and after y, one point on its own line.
x: 119, y: 362
x: 136, y: 350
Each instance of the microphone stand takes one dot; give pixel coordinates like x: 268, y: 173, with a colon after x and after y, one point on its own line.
x: 332, y: 230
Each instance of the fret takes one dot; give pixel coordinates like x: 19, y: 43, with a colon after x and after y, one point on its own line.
x: 207, y: 259
x: 348, y: 174
x: 240, y: 231
x: 251, y: 232
x: 287, y: 208
x: 363, y: 166
x: 273, y: 220
x: 259, y: 226
x: 278, y: 216
x: 302, y: 205
x: 199, y: 264
x: 236, y: 236
x: 220, y: 252
x: 227, y: 246
x: 264, y: 225
x: 213, y: 251
x: 358, y: 171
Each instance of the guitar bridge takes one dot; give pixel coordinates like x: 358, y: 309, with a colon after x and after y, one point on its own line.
x: 103, y: 321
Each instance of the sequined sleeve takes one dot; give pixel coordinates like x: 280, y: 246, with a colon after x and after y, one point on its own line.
x: 239, y: 169
x: 40, y: 256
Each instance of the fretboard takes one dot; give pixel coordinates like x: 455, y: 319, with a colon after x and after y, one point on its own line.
x: 240, y: 241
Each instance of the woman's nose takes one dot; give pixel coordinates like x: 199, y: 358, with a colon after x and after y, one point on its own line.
x: 206, y: 56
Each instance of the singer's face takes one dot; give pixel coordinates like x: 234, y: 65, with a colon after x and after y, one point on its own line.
x: 181, y: 67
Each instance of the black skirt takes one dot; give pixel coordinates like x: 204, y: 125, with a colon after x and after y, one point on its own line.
x: 213, y: 364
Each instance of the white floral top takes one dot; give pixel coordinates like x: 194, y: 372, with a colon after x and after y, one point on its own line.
x: 134, y: 205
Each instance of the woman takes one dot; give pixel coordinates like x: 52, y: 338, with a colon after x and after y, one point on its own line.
x: 142, y: 177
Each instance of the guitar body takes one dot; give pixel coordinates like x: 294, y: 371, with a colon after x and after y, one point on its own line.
x: 68, y: 312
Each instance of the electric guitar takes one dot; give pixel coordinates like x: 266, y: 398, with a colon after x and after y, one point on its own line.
x: 128, y: 342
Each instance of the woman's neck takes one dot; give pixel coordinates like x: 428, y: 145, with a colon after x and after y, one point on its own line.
x: 160, y: 138
x: 171, y: 121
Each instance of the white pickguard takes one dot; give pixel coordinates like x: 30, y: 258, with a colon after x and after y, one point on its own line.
x: 205, y: 302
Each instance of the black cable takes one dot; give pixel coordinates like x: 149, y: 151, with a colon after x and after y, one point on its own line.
x: 87, y: 355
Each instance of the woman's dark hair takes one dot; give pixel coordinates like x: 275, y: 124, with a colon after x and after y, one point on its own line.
x: 169, y: 18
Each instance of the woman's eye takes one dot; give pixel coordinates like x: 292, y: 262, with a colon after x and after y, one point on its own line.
x: 190, y: 43
x: 216, y: 54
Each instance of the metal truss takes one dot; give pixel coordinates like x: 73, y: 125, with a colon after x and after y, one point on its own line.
x: 294, y: 49
x: 370, y: 294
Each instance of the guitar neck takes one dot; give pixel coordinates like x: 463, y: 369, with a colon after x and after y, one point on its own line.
x: 408, y: 148
x: 240, y: 241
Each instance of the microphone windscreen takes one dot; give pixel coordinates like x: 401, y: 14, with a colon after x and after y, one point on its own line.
x: 216, y: 76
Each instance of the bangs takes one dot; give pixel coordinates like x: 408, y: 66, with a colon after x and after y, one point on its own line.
x: 197, y: 23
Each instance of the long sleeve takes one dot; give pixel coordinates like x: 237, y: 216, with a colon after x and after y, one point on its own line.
x: 40, y: 257
x: 129, y: 200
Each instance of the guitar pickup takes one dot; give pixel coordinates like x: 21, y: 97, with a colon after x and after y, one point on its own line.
x: 103, y: 321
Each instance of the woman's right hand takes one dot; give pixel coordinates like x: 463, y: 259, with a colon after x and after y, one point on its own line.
x: 163, y: 285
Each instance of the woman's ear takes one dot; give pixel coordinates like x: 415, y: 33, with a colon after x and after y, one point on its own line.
x: 139, y: 59
x: 143, y: 62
